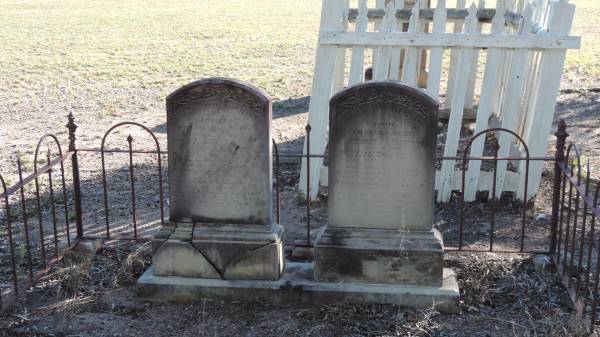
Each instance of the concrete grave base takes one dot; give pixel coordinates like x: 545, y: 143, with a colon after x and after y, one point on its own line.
x: 229, y: 252
x: 380, y: 256
x: 297, y: 286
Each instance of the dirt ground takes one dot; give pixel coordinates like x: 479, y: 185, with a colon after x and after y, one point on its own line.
x: 501, y: 296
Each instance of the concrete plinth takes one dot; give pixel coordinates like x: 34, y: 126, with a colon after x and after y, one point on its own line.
x: 379, y: 256
x: 296, y: 286
x: 230, y: 252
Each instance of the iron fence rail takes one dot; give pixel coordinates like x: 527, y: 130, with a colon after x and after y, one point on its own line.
x: 571, y: 196
x: 18, y: 190
x: 575, y: 212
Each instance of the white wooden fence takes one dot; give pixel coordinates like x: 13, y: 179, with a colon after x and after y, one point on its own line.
x: 501, y: 66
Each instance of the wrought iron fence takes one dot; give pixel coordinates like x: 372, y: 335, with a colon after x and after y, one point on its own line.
x: 575, y: 247
x: 562, y: 237
x: 32, y: 260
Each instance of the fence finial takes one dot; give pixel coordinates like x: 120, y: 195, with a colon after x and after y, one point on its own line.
x: 561, y: 139
x: 72, y: 128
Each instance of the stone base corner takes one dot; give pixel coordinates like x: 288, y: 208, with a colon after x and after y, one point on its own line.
x: 219, y: 252
x: 379, y: 257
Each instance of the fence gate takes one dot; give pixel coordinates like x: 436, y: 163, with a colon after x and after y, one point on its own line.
x: 499, y: 67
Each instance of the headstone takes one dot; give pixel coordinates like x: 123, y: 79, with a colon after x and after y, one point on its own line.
x: 220, y: 181
x: 382, y: 144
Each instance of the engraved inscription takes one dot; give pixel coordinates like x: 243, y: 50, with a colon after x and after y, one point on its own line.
x: 219, y: 162
x: 382, y: 163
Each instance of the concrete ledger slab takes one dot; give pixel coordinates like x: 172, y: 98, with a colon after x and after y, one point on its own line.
x: 296, y: 286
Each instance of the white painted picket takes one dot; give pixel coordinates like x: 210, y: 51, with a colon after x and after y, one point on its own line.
x: 454, y: 57
x: 541, y: 116
x: 487, y: 103
x: 411, y: 55
x: 457, y: 108
x: 524, y: 54
x: 437, y: 53
x: 358, y: 52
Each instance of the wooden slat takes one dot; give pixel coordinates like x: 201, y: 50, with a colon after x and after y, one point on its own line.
x: 489, y: 91
x: 358, y: 52
x: 437, y: 53
x: 532, y: 70
x: 513, y: 99
x: 397, y: 52
x: 545, y: 17
x: 484, y: 181
x: 506, y: 64
x: 472, y: 78
x: 332, y: 19
x: 483, y: 15
x: 551, y: 66
x: 422, y: 53
x: 450, y: 40
x: 409, y: 69
x: 458, y: 102
x: 454, y: 56
x: 340, y: 58
x: 381, y: 69
x: 515, y: 110
x: 380, y: 6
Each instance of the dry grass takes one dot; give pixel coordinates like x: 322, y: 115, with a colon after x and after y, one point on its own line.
x: 72, y: 280
x: 113, y: 267
x: 117, y: 60
x: 502, y: 296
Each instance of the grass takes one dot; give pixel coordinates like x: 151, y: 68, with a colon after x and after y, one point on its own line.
x: 156, y: 44
x: 110, y: 60
x: 585, y: 63
x: 162, y: 44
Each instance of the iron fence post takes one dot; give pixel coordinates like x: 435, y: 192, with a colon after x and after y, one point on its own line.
x: 76, y: 180
x: 559, y: 157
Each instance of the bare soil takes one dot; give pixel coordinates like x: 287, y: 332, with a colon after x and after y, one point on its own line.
x: 502, y: 295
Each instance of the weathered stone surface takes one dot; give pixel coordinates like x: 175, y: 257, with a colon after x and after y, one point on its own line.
x: 87, y: 248
x: 261, y: 263
x: 183, y: 232
x: 296, y: 286
x: 219, y: 140
x: 382, y: 142
x: 379, y: 256
x: 303, y: 253
x: 178, y: 258
x: 162, y: 236
x: 238, y: 254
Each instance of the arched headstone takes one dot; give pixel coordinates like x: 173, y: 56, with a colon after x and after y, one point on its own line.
x: 382, y: 144
x: 220, y: 182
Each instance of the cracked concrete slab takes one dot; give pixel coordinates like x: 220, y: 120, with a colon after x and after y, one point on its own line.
x: 178, y: 258
x: 163, y: 234
x: 241, y: 254
x: 257, y: 263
